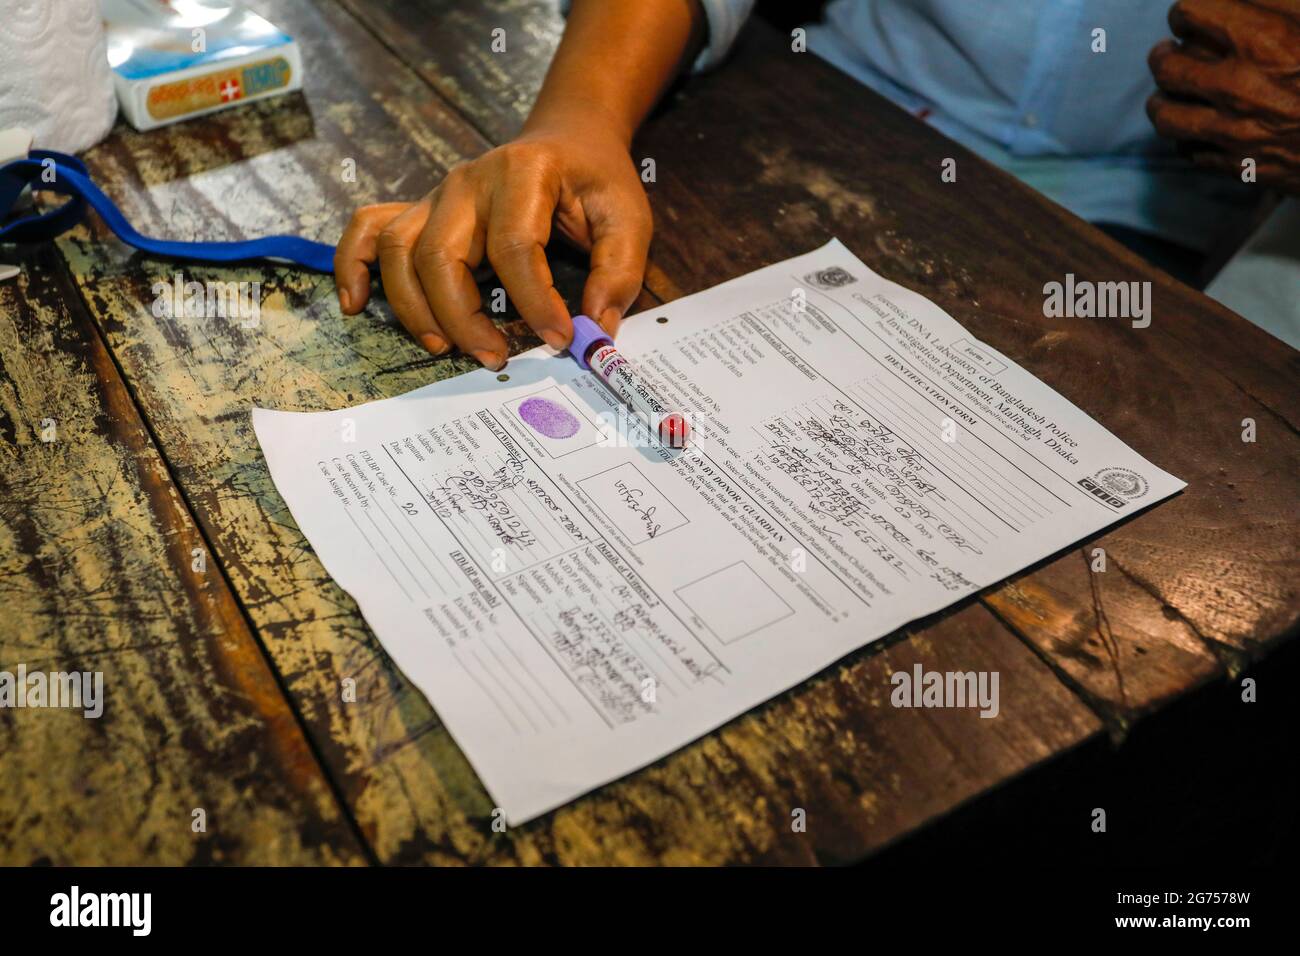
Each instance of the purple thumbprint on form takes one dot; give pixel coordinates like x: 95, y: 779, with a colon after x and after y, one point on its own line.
x: 548, y: 418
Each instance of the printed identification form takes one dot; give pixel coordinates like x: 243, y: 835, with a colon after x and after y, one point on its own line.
x: 577, y: 600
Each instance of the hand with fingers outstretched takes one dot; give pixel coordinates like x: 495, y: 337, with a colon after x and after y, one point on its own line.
x: 570, y: 169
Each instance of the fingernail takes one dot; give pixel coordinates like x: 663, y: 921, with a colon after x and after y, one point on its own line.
x: 434, y: 344
x: 490, y: 359
x: 554, y: 338
x: 345, y: 300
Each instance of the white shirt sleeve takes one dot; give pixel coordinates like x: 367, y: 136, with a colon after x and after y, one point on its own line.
x: 724, y: 19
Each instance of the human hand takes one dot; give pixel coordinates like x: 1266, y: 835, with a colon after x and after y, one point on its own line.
x: 1231, y: 89
x: 504, y: 204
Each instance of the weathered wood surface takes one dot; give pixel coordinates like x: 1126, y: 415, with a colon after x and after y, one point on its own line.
x: 777, y: 152
x: 747, y: 175
x: 864, y: 771
x: 96, y: 574
x: 1195, y: 585
x: 449, y: 43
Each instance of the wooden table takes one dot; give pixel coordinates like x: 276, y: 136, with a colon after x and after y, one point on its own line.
x: 148, y: 541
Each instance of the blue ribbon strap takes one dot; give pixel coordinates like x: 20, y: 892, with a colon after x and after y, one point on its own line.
x: 72, y: 179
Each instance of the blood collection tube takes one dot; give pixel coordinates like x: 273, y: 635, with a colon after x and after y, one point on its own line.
x: 593, y: 349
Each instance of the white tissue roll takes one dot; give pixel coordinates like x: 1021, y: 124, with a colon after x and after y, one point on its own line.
x: 54, y: 75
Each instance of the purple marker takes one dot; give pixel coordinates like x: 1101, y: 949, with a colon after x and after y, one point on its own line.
x: 594, y: 350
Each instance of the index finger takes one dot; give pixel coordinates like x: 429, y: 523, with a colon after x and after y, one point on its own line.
x: 519, y: 225
x: 357, y: 249
x: 401, y: 283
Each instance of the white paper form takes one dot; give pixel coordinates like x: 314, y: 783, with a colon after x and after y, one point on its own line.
x: 577, y: 602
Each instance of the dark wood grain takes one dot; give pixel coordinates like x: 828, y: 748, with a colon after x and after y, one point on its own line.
x: 750, y: 171
x: 1194, y: 586
x: 449, y: 43
x: 97, y: 574
x: 865, y: 771
x: 777, y: 152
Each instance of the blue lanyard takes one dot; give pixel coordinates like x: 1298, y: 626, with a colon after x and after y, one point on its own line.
x: 71, y: 178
